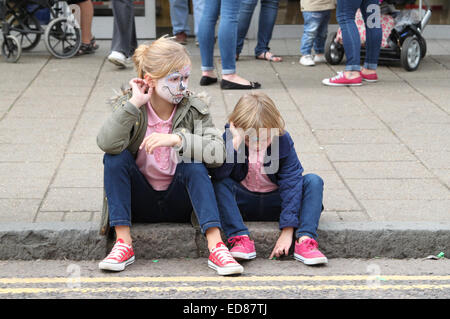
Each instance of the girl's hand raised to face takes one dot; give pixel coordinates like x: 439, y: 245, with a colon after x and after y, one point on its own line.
x: 141, y: 92
x: 237, y: 136
x: 155, y: 140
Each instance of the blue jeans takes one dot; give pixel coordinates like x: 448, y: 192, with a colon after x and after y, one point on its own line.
x: 345, y: 14
x: 315, y: 31
x: 179, y: 13
x: 267, y: 17
x: 229, y: 12
x: 132, y: 199
x: 236, y: 204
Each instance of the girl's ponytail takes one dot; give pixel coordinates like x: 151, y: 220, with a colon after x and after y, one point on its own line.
x: 139, y: 58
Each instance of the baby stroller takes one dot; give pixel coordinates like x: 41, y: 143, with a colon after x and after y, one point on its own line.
x: 401, y: 41
x: 22, y: 30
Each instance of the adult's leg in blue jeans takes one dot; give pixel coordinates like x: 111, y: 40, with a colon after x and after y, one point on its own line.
x: 245, y: 16
x: 198, y: 13
x: 206, y: 33
x: 370, y: 10
x: 179, y: 14
x: 345, y: 14
x: 267, y: 18
x: 227, y: 35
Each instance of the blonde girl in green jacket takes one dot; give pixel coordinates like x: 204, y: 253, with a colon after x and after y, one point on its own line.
x: 158, y: 143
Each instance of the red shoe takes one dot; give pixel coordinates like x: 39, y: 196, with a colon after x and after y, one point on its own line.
x: 243, y: 247
x: 341, y: 80
x: 221, y: 260
x: 369, y: 77
x: 308, y: 253
x: 120, y: 256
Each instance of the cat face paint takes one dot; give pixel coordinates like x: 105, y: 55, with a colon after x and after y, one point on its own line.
x: 172, y: 88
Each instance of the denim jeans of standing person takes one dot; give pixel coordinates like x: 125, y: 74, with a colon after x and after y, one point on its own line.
x: 237, y: 204
x: 229, y: 12
x: 179, y: 15
x: 132, y: 199
x: 315, y: 31
x: 124, y: 30
x: 267, y: 18
x: 345, y: 14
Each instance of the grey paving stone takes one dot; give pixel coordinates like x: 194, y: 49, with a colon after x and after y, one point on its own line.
x: 383, y: 170
x: 330, y: 178
x: 77, y: 216
x: 314, y: 162
x: 30, y: 152
x: 339, y: 200
x: 382, y: 136
x: 398, y: 189
x: 18, y: 210
x: 73, y: 174
x: 69, y: 199
x: 408, y: 210
x: 443, y: 175
x: 353, y: 216
x: 368, y: 152
x: 49, y: 217
x: 433, y: 159
x: 25, y: 180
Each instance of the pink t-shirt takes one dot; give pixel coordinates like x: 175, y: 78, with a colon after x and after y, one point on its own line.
x: 256, y: 180
x: 159, y: 167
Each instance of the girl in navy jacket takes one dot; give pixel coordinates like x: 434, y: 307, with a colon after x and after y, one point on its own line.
x: 261, y: 180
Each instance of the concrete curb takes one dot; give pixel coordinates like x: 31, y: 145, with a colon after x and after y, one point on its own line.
x: 81, y: 241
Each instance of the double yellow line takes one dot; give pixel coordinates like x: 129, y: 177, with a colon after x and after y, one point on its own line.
x: 74, y: 285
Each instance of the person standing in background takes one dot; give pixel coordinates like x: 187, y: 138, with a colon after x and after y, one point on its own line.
x: 316, y: 15
x: 88, y: 43
x: 179, y: 13
x: 353, y: 74
x: 124, y: 40
x: 267, y: 18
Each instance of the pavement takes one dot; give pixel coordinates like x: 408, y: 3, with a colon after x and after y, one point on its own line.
x: 383, y: 150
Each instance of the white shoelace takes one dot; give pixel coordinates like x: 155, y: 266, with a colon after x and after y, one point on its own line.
x: 338, y: 76
x: 223, y: 254
x: 118, y: 251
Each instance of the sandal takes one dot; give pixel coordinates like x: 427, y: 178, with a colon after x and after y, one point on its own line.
x: 85, y: 49
x: 94, y: 44
x: 271, y: 58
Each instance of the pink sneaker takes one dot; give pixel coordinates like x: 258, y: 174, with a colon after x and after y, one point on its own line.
x: 308, y: 252
x: 341, y: 80
x: 369, y: 77
x: 243, y: 247
x: 221, y: 260
x: 120, y: 256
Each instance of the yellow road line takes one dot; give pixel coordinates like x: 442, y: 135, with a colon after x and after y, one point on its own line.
x: 142, y: 279
x: 218, y: 288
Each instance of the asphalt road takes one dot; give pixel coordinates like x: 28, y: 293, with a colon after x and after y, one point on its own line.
x: 262, y: 279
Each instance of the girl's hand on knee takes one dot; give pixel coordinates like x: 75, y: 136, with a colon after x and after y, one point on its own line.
x: 141, y: 92
x: 155, y: 140
x: 283, y: 244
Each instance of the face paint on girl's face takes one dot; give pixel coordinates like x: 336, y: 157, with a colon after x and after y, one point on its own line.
x: 173, y: 87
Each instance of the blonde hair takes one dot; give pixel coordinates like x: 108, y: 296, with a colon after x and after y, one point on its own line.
x: 256, y: 110
x: 160, y: 58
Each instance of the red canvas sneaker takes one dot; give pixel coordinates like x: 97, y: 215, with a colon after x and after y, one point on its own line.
x: 120, y: 256
x: 221, y: 260
x: 341, y: 80
x: 242, y: 247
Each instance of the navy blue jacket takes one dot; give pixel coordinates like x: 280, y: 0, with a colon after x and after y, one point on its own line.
x: 283, y: 169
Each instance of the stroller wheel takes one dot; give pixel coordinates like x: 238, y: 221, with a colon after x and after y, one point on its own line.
x: 410, y: 54
x: 11, y: 49
x: 334, y: 51
x: 28, y: 40
x: 62, y: 38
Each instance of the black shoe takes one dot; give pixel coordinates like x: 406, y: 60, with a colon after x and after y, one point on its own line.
x: 228, y: 85
x: 206, y: 80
